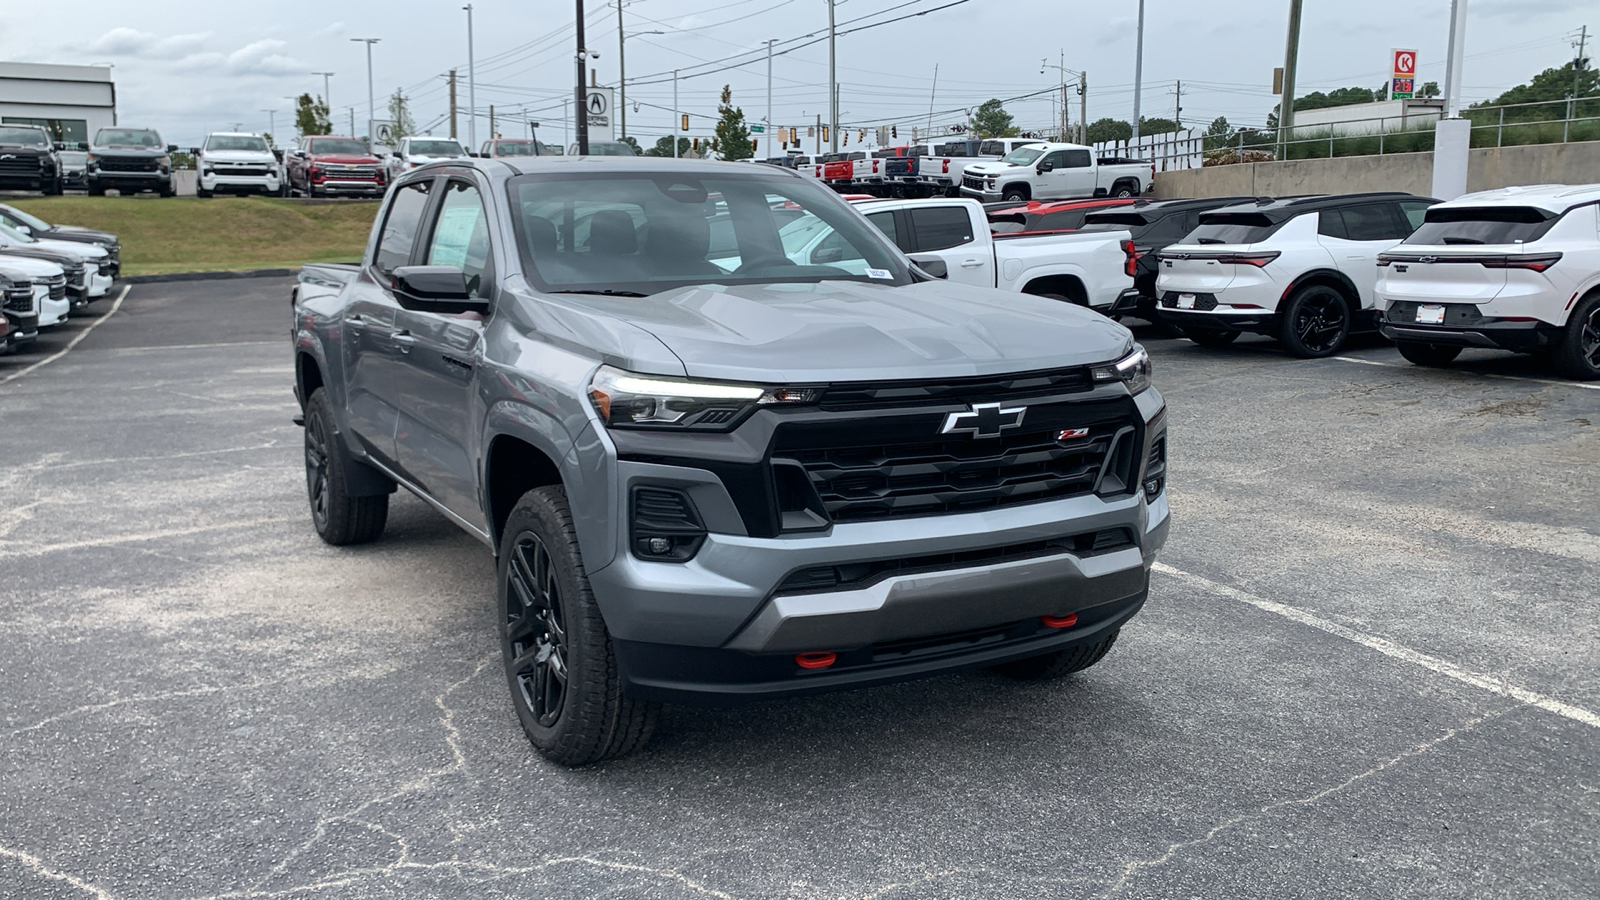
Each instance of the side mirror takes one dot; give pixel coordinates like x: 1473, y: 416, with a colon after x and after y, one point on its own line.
x: 933, y: 265
x: 172, y: 148
x: 1046, y: 167
x: 439, y: 289
x: 827, y: 255
x: 299, y: 154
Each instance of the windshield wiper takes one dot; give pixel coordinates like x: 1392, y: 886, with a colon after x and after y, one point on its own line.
x: 605, y: 293
x: 1462, y: 240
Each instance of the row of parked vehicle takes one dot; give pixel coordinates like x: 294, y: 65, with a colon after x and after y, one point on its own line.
x: 47, y: 271
x: 1515, y: 269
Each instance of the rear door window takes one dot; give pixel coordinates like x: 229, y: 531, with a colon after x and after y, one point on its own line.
x: 399, y: 235
x: 1078, y: 159
x: 941, y: 227
x: 1330, y: 223
x: 1233, y: 228
x: 1484, y: 225
x: 886, y: 223
x: 1372, y: 222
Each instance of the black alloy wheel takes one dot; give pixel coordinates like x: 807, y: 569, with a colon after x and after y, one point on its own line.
x: 1577, y: 353
x: 339, y: 518
x: 317, y: 472
x: 535, y: 630
x: 1316, y: 321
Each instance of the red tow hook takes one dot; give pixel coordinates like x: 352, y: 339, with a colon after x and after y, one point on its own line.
x: 1066, y: 621
x: 816, y: 659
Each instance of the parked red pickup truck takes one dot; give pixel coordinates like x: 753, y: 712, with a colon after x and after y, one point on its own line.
x: 320, y: 166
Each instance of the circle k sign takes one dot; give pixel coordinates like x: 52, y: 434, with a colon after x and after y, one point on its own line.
x: 1405, y: 63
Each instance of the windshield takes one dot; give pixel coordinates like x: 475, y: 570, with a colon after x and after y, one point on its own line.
x: 516, y: 148
x: 9, y: 233
x: 1022, y: 156
x: 10, y: 215
x: 23, y: 137
x: 609, y: 148
x: 348, y: 146
x: 247, y: 142
x: 437, y: 148
x: 1485, y: 225
x: 127, y: 137
x: 653, y: 231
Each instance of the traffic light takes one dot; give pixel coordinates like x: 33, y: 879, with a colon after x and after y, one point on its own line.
x: 825, y: 134
x: 894, y: 132
x: 794, y: 136
x: 697, y: 145
x: 845, y: 138
x: 685, y: 124
x: 755, y: 144
x: 861, y: 135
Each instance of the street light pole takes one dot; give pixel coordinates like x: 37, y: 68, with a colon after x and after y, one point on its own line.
x: 472, y: 85
x: 578, y: 91
x: 833, y: 86
x: 1138, y: 73
x: 675, y: 114
x: 372, y: 109
x: 622, y: 73
x: 327, y: 95
x: 272, y: 121
x: 766, y: 138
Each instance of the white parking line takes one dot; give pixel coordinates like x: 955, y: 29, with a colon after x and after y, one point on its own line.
x: 1389, y: 365
x: 1390, y: 648
x: 72, y: 343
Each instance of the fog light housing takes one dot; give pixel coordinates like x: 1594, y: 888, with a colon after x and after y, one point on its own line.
x: 665, y: 525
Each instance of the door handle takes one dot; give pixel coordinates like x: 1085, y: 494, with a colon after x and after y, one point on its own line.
x: 972, y: 264
x: 404, y: 340
x: 356, y: 322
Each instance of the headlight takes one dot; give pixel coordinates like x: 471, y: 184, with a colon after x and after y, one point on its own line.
x: 164, y: 161
x: 626, y: 400
x: 1132, y: 370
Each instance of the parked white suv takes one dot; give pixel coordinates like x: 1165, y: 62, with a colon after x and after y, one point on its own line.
x: 1056, y: 172
x: 236, y: 163
x: 1515, y: 269
x: 419, y: 151
x: 1302, y: 269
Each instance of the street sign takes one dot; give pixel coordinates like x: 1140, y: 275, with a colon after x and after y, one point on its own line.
x: 597, y: 104
x: 1405, y: 63
x: 381, y: 131
x: 758, y: 129
x: 1403, y: 87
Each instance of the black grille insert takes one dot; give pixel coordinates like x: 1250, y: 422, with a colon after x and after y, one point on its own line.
x: 902, y: 394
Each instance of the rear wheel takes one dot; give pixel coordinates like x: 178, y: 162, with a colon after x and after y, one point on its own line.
x: 1123, y: 189
x: 1577, y: 354
x: 339, y: 518
x: 1427, y: 354
x: 1062, y: 662
x: 1210, y: 337
x: 560, y: 664
x: 1315, y: 322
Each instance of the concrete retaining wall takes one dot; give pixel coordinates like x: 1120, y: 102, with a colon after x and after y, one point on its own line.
x: 1487, y: 168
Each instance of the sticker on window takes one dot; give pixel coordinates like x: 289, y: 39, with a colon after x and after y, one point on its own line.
x: 885, y: 274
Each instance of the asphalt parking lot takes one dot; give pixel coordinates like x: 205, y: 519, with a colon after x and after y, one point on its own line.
x: 1367, y: 669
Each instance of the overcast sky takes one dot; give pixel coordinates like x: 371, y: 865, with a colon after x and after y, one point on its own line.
x: 189, y: 69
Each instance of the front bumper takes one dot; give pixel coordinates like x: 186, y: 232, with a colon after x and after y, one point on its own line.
x: 986, y: 195
x: 226, y: 182
x: 336, y: 186
x: 26, y: 181
x: 144, y: 181
x: 24, y: 329
x: 98, y: 285
x: 52, y: 312
x: 75, y: 179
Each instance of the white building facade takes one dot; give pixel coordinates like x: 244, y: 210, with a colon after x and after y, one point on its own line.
x: 73, y: 102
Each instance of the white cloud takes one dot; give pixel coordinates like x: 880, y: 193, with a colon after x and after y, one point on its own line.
x: 133, y: 42
x: 333, y: 29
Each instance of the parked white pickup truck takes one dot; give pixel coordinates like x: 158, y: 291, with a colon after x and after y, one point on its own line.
x: 1087, y: 268
x: 942, y: 171
x: 1056, y: 172
x: 419, y: 151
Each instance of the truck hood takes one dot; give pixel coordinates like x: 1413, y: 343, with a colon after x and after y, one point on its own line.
x: 988, y: 168
x: 74, y: 249
x: 849, y: 331
x: 75, y: 233
x: 346, y: 159
x: 239, y: 156
x: 29, y: 267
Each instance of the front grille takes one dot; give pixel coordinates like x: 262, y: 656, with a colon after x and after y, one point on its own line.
x: 58, y: 287
x: 338, y: 170
x: 128, y: 164
x: 105, y: 267
x: 1202, y: 302
x: 250, y: 170
x: 972, y: 181
x: 902, y: 394
x: 853, y: 576
x: 20, y: 165
x: 1457, y: 315
x: 18, y: 299
x: 926, y: 476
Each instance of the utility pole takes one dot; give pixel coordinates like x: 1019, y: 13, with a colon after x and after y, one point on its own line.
x: 472, y: 84
x: 931, y: 95
x: 352, y: 110
x: 675, y: 119
x: 272, y: 121
x: 622, y: 71
x: 581, y: 108
x: 491, y: 122
x: 566, y: 126
x: 1291, y: 60
x: 1083, y: 107
x: 474, y: 148
x: 372, y: 108
x: 1452, y: 135
x: 327, y: 95
x: 818, y: 135
x: 1138, y: 72
x: 1177, y: 106
x: 1578, y: 64
x: 833, y: 84
x: 766, y: 138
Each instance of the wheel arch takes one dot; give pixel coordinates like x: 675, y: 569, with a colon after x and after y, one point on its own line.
x: 512, y: 466
x: 1066, y: 284
x: 1024, y: 186
x: 1328, y: 278
x: 308, y: 376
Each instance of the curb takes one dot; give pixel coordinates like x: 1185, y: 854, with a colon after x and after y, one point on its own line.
x: 207, y: 276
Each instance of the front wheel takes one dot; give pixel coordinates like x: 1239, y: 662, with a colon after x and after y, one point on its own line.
x: 200, y: 191
x: 1061, y: 662
x: 560, y: 664
x: 1427, y: 354
x: 1578, y: 351
x: 1315, y: 323
x: 339, y: 518
x: 1013, y: 195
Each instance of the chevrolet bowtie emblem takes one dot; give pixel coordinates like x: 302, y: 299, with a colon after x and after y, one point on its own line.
x: 985, y: 420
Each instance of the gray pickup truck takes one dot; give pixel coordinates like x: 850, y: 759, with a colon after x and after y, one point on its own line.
x: 710, y: 470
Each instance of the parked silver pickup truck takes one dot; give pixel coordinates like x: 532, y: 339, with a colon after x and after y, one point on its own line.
x: 712, y: 471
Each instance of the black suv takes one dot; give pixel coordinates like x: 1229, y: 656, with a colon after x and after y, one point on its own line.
x: 1151, y: 225
x: 130, y: 160
x: 28, y: 160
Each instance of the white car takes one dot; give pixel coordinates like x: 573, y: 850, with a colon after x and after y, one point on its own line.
x: 96, y: 262
x: 236, y: 163
x: 1080, y: 267
x: 1515, y: 269
x: 1043, y: 171
x: 45, y: 281
x: 1302, y: 270
x: 419, y: 151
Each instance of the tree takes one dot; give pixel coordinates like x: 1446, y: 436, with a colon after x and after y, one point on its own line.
x: 663, y: 147
x: 631, y: 142
x: 992, y: 121
x: 400, y: 115
x: 1158, y: 126
x: 1104, y: 130
x: 311, y: 116
x: 1217, y: 135
x: 1429, y: 89
x: 732, y: 139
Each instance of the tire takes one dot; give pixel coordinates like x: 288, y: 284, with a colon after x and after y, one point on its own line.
x: 1314, y: 322
x: 311, y: 191
x: 1577, y: 354
x: 1208, y: 337
x: 560, y: 665
x: 1014, y: 194
x: 1121, y: 190
x: 54, y: 188
x: 96, y: 190
x: 339, y: 518
x: 1062, y: 662
x: 1427, y: 354
x: 200, y: 191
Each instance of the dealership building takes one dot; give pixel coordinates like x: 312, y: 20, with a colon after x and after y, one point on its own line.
x: 71, y: 101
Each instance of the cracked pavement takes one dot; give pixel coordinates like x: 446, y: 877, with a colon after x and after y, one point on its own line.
x: 204, y: 701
